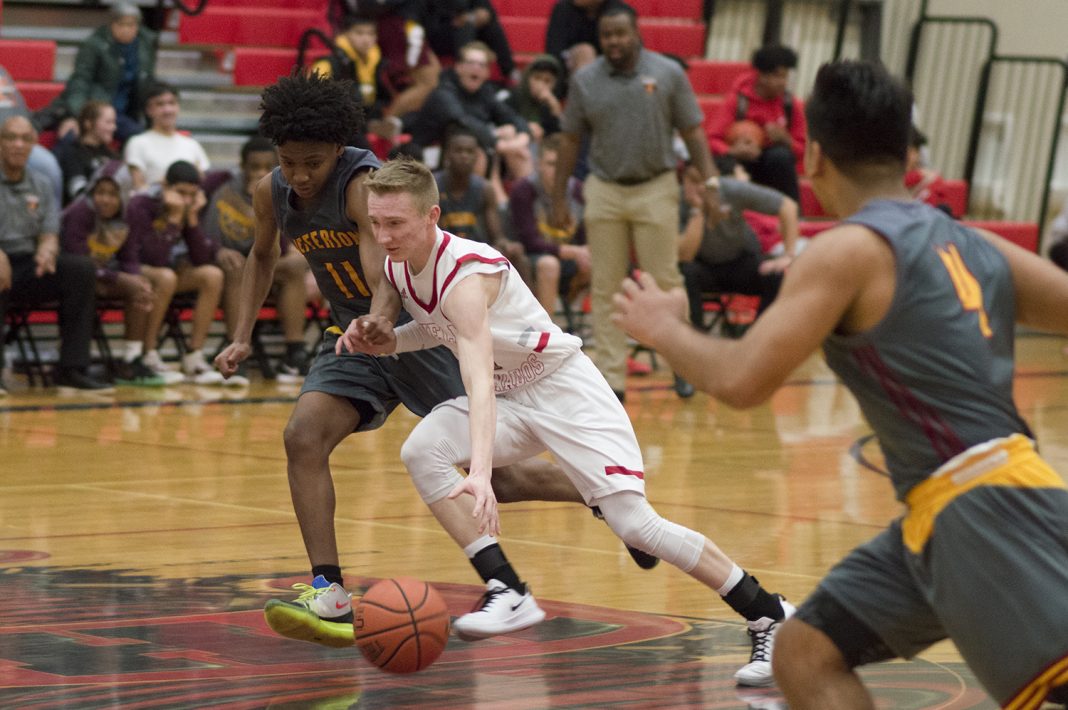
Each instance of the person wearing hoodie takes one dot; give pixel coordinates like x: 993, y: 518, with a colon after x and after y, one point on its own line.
x: 175, y: 250
x: 93, y: 225
x: 534, y: 97
x: 761, y: 96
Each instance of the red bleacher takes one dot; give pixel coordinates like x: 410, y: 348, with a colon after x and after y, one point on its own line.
x: 952, y: 193
x: 252, y: 26
x: 685, y: 38
x: 259, y: 66
x: 39, y: 94
x: 689, y: 9
x: 28, y: 59
x: 712, y: 77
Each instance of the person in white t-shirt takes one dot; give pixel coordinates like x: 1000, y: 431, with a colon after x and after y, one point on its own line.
x: 149, y: 154
x: 530, y: 388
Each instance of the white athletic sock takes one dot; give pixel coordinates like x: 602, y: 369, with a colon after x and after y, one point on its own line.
x: 732, y: 581
x: 479, y: 545
x: 131, y: 350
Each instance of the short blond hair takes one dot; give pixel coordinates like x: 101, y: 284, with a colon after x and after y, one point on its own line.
x: 404, y: 174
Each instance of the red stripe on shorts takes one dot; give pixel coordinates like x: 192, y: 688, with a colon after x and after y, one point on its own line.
x: 623, y: 471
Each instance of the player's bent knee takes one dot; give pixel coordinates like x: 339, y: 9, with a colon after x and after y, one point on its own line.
x: 430, y: 459
x: 630, y: 517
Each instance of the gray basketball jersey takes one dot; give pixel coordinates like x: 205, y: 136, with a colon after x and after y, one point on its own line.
x: 326, y: 236
x: 463, y: 215
x: 934, y: 377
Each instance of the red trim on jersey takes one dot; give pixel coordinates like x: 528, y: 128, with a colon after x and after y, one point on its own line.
x: 428, y: 307
x: 466, y: 258
x: 943, y: 439
x: 542, y: 342
x: 623, y: 471
x: 389, y: 274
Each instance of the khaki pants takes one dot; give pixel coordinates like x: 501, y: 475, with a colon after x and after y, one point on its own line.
x: 624, y: 223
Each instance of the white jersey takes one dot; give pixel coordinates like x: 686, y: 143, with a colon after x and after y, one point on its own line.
x: 527, y: 344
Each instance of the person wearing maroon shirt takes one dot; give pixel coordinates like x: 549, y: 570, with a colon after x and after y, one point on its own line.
x: 761, y: 96
x: 178, y: 256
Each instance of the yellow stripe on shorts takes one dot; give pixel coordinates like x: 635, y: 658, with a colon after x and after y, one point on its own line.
x: 1011, y: 462
x: 1034, y: 694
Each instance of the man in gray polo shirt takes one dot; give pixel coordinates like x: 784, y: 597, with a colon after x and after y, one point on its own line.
x: 32, y: 269
x: 628, y: 102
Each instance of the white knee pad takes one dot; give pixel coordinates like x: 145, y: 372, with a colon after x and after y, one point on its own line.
x: 431, y: 455
x: 631, y: 517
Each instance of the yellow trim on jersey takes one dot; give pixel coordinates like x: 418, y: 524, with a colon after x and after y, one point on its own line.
x: 335, y: 330
x: 1034, y: 694
x: 1011, y: 462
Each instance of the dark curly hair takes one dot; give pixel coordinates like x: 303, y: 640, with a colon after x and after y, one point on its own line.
x: 303, y: 107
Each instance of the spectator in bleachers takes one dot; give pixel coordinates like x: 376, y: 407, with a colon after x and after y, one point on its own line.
x: 720, y: 252
x: 115, y: 64
x: 82, y: 157
x: 149, y: 154
x: 411, y: 69
x: 231, y: 224
x: 94, y: 225
x: 466, y: 97
x: 451, y: 24
x: 469, y: 206
x: 178, y: 257
x: 33, y: 270
x: 761, y: 96
x: 628, y: 103
x: 534, y: 96
x: 559, y: 258
x: 42, y: 160
x: 572, y: 35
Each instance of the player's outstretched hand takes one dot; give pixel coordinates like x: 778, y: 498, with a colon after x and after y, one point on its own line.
x: 370, y: 334
x: 232, y: 355
x: 646, y: 312
x: 481, y: 489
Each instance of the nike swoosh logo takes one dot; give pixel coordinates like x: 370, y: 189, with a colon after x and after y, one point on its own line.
x: 519, y: 604
x: 339, y: 605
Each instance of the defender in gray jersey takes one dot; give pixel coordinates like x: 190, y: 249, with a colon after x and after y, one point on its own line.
x: 316, y: 197
x: 916, y: 315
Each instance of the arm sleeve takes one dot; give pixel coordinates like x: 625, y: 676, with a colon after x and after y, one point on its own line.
x: 411, y: 336
x: 77, y: 224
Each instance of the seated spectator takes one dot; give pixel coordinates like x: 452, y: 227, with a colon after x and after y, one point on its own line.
x: 465, y: 97
x: 115, y: 64
x: 42, y: 160
x: 761, y: 96
x: 94, y: 226
x: 231, y: 224
x: 534, y: 97
x: 358, y: 57
x: 450, y: 24
x: 559, y: 257
x: 720, y: 252
x: 178, y: 257
x: 411, y: 69
x: 469, y: 207
x: 572, y: 36
x: 33, y: 270
x: 149, y: 154
x: 91, y: 150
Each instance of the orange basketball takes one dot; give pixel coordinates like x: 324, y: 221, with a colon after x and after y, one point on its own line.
x: 401, y: 625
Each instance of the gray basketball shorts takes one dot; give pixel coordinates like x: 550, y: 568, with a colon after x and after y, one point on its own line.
x: 419, y: 380
x: 993, y: 577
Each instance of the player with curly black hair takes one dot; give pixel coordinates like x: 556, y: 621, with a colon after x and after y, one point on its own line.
x: 316, y: 198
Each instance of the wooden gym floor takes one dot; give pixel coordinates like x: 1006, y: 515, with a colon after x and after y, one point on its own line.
x: 141, y: 534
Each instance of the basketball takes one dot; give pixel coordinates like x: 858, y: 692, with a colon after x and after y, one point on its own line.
x: 401, y: 625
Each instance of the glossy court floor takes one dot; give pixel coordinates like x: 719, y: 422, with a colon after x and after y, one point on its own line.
x: 141, y: 534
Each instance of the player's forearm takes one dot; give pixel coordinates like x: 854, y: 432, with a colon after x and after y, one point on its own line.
x: 709, y: 363
x: 412, y: 336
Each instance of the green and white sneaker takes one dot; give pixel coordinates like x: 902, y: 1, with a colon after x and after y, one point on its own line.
x: 321, y: 614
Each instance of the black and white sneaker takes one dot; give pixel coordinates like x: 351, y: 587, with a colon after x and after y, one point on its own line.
x: 501, y: 610
x: 757, y: 673
x: 641, y: 558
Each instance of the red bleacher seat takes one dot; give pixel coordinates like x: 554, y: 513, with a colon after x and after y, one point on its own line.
x: 251, y: 26
x: 810, y: 206
x: 28, y: 59
x: 39, y: 94
x: 712, y: 77
x: 525, y: 34
x: 681, y: 38
x: 1024, y: 234
x: 689, y: 9
x: 711, y: 106
x: 524, y: 8
x: 260, y: 66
